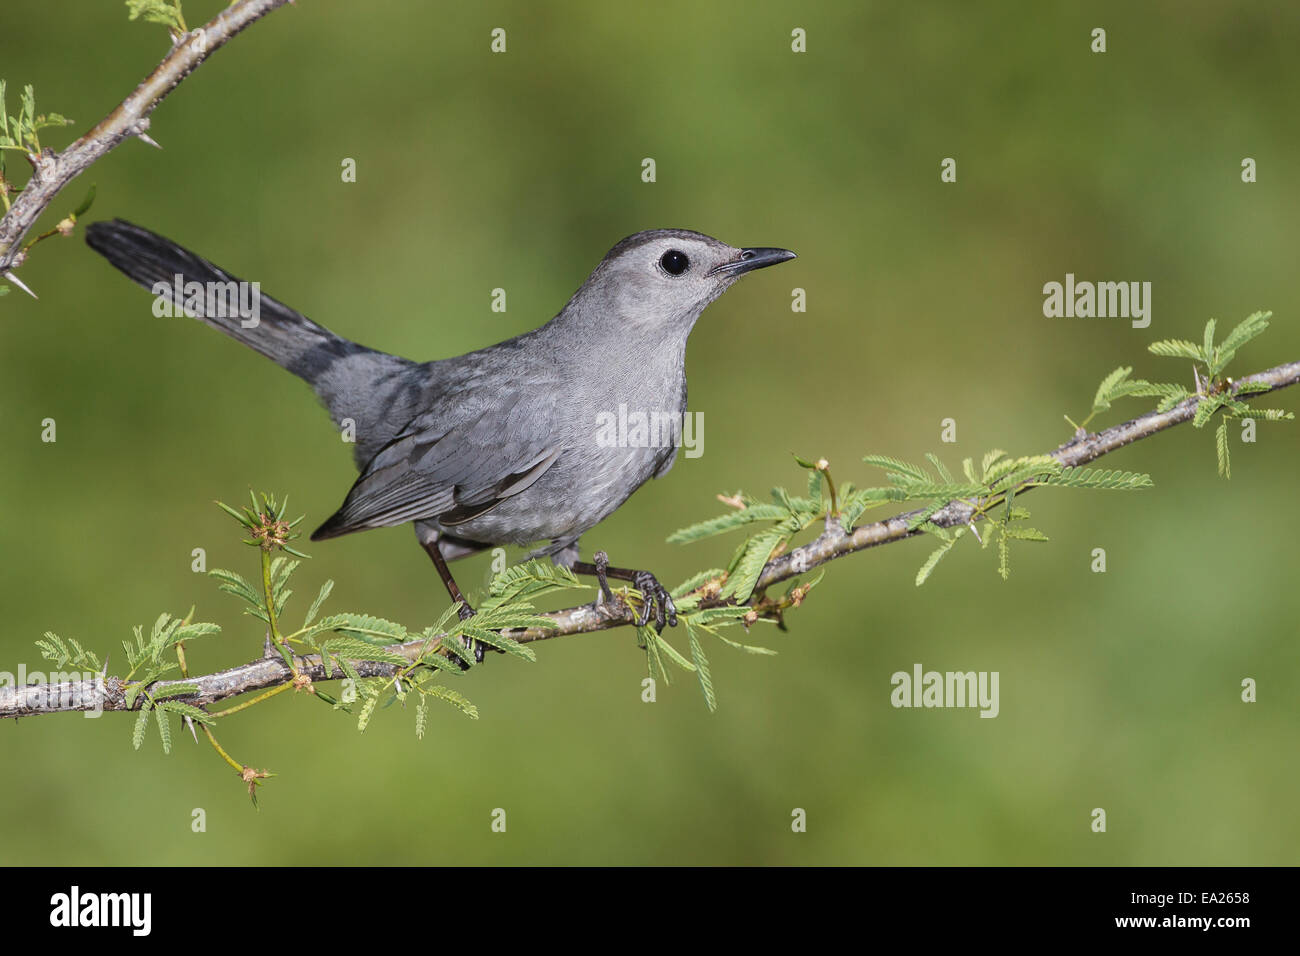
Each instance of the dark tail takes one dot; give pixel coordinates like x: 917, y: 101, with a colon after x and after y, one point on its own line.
x: 238, y: 309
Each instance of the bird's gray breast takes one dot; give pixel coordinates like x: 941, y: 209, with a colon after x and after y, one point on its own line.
x: 617, y: 422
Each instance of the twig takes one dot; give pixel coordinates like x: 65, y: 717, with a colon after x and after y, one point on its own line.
x: 52, y: 171
x: 835, y: 542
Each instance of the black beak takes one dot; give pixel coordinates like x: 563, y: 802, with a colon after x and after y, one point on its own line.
x: 751, y: 259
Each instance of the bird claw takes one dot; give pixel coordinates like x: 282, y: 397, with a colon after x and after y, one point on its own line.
x: 601, y: 560
x: 654, y: 595
x: 465, y: 612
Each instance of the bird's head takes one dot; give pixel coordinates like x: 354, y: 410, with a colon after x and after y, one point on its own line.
x: 664, y: 278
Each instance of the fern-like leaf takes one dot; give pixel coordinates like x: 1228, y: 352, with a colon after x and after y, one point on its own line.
x: 1176, y: 348
x: 1221, y: 447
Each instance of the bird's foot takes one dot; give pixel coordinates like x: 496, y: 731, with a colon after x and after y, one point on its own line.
x: 601, y: 561
x: 655, y: 598
x: 465, y: 612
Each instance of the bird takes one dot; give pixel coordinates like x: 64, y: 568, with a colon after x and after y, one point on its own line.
x: 500, y: 445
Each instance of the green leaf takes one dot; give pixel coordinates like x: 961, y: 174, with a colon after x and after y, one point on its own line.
x: 1142, y: 387
x: 815, y: 487
x: 1205, y: 410
x: 55, y: 648
x: 695, y: 581
x: 188, y: 632
x: 945, y: 475
x: 1016, y: 471
x: 517, y: 616
x: 1099, y: 478
x: 453, y: 646
x: 1176, y: 348
x: 84, y: 206
x: 367, y: 709
x: 701, y: 667
x: 450, y: 696
x: 1271, y: 414
x: 364, y: 625
x: 421, y: 716
x: 648, y: 640
x: 1251, y: 388
x: 528, y: 581
x: 499, y: 641
x: 727, y: 614
x: 182, y: 709
x: 853, y: 504
x: 350, y: 648
x: 1247, y: 329
x: 727, y: 522
x: 668, y: 650
x: 141, y: 725
x: 325, y: 590
x: 923, y: 516
x: 1221, y: 446
x: 925, y: 490
x: 747, y: 648
x: 157, y: 11
x: 281, y: 569
x: 937, y: 555
x: 234, y: 583
x: 782, y: 498
x: 1105, y: 391
x: 84, y: 658
x: 898, y: 467
x: 740, y: 585
x: 164, y: 729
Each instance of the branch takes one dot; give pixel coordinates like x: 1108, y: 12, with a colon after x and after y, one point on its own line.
x: 108, y: 693
x: 52, y: 171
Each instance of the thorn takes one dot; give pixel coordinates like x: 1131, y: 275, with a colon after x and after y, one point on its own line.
x: 189, y: 722
x: 18, y: 282
x: 104, y: 673
x: 140, y: 130
x: 975, y: 531
x: 267, y: 649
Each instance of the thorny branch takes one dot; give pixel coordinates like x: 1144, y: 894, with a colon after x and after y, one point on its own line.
x: 834, y: 542
x: 52, y: 171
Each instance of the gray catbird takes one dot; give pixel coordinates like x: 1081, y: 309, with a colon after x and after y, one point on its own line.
x: 499, y: 446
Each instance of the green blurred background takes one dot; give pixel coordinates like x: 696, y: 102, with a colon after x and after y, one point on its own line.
x: 476, y: 171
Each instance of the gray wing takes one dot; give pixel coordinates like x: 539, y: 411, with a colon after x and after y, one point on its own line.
x: 450, y: 474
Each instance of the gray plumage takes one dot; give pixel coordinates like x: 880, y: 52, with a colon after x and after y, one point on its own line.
x: 498, y: 446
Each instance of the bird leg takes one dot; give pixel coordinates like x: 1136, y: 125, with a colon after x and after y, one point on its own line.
x: 654, y: 595
x: 453, y: 589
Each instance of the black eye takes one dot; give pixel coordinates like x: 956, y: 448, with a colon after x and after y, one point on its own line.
x: 674, y: 262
